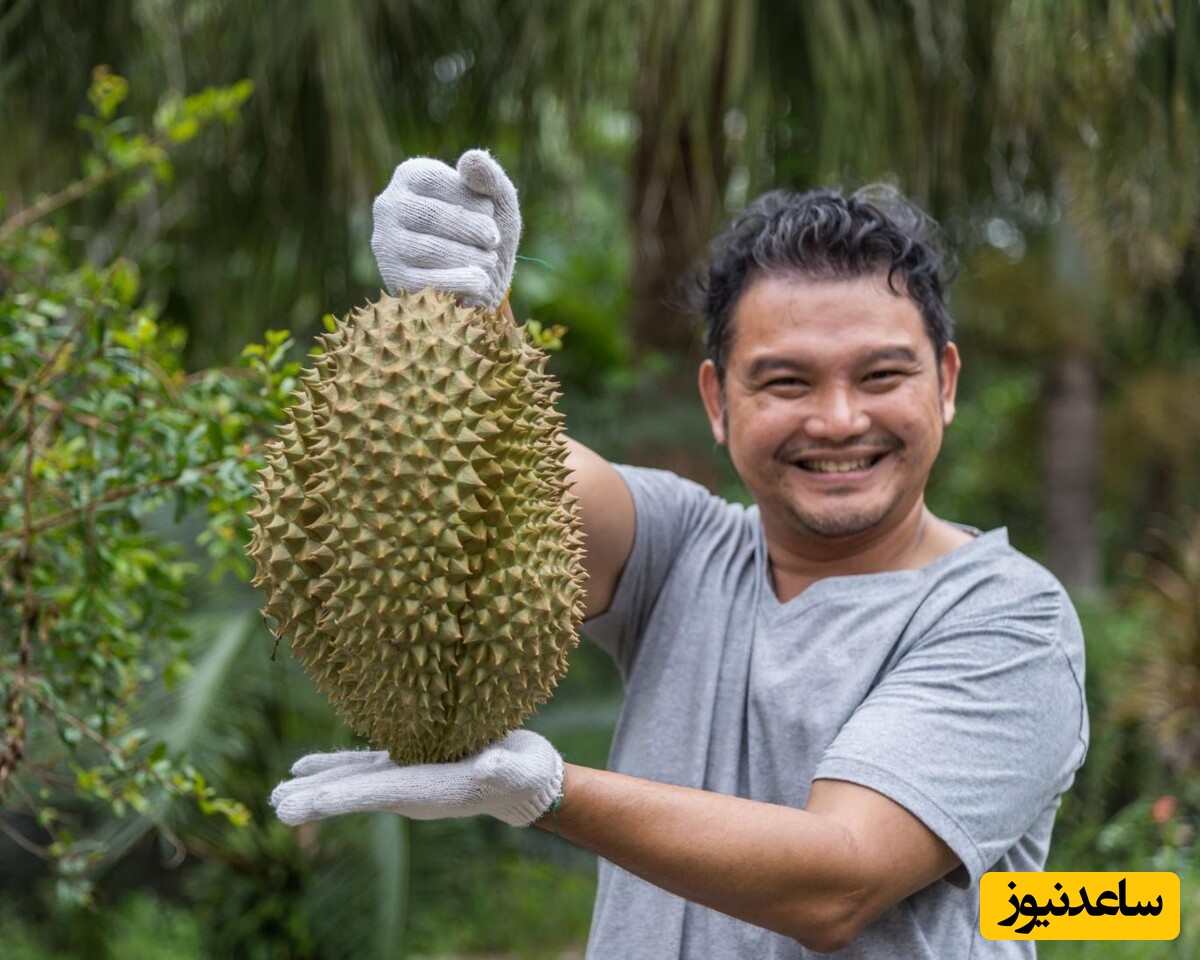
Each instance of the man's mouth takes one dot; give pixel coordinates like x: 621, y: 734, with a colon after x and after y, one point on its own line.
x: 841, y: 465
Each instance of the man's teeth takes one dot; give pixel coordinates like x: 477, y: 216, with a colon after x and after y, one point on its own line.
x: 836, y: 466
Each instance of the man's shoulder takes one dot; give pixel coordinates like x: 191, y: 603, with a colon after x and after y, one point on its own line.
x: 667, y: 494
x: 666, y: 481
x: 990, y: 579
x: 993, y: 564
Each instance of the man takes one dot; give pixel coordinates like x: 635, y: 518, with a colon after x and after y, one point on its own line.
x: 840, y: 710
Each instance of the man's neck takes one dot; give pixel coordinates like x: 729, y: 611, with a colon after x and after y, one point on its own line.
x: 916, y: 540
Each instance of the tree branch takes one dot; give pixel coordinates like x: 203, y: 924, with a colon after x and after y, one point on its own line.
x: 47, y: 205
x: 22, y: 841
x: 37, y: 381
x: 74, y: 721
x: 120, y: 493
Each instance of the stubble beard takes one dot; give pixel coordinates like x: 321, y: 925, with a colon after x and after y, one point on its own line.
x: 835, y: 525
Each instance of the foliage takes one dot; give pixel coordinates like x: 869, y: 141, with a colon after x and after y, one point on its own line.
x: 264, y: 890
x: 985, y: 476
x: 526, y: 909
x: 140, y: 925
x: 1136, y: 803
x: 1120, y: 766
x: 1167, y: 695
x: 101, y: 431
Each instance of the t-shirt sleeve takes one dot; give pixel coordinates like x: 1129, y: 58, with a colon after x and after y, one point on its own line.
x: 977, y: 730
x: 667, y: 509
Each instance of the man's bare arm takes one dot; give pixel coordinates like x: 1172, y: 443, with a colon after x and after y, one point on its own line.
x: 817, y: 875
x: 606, y: 509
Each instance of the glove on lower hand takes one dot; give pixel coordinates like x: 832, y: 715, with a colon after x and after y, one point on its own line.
x: 515, y: 780
x: 451, y: 228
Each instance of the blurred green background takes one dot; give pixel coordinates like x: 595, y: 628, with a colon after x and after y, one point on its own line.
x: 1056, y: 143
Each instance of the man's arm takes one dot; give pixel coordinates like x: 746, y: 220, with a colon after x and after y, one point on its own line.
x: 818, y: 875
x: 607, y: 513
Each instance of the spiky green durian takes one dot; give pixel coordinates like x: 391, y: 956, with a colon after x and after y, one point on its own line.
x: 414, y: 532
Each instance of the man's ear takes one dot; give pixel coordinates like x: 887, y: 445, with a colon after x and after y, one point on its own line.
x: 714, y: 400
x: 948, y: 368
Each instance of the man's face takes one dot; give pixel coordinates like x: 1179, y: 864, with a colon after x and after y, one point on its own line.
x: 832, y: 409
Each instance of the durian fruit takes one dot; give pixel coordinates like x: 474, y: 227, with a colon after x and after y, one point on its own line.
x: 414, y: 532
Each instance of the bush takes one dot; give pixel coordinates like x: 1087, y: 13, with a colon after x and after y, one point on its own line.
x: 101, y: 428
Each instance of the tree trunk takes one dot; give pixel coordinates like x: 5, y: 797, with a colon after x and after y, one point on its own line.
x: 672, y: 217
x: 1071, y: 466
x: 679, y: 177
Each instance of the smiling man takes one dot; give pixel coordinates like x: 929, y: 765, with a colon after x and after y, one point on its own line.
x: 840, y: 710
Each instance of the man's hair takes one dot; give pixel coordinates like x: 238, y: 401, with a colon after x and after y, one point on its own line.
x: 822, y: 235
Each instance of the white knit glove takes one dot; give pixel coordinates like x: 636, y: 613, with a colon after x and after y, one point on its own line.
x: 515, y: 780
x: 453, y: 229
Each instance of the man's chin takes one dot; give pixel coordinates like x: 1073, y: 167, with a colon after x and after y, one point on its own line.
x: 839, y: 528
x: 838, y: 524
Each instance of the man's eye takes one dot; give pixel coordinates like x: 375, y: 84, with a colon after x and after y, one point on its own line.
x: 882, y: 375
x: 784, y: 382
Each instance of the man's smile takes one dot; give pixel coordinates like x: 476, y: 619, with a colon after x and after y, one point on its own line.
x: 841, y: 465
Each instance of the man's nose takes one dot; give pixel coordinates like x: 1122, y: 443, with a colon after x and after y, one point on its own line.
x: 837, y: 415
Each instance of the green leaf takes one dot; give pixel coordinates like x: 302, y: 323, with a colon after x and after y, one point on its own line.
x: 48, y: 308
x: 147, y: 330
x: 124, y: 280
x: 189, y: 478
x: 107, y: 92
x: 184, y: 130
x: 240, y: 92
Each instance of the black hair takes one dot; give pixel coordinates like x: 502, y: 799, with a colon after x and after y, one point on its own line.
x: 823, y: 235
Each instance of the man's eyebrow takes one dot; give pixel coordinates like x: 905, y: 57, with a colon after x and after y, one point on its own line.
x: 894, y: 354
x: 765, y: 365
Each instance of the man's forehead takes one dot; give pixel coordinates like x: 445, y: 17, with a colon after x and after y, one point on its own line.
x: 803, y: 291
x: 859, y: 314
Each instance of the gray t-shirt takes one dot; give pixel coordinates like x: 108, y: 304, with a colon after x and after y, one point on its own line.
x: 956, y: 690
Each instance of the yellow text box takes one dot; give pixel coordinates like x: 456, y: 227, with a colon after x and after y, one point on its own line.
x: 1079, y: 906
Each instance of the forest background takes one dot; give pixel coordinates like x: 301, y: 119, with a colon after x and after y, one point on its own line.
x: 185, y: 193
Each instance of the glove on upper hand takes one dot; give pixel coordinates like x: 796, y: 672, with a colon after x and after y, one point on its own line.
x: 451, y: 228
x: 515, y: 780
